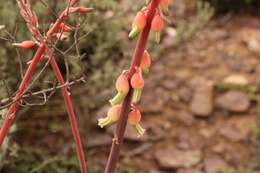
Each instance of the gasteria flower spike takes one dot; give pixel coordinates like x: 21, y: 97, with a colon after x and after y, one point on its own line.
x: 122, y: 87
x: 134, y: 119
x: 138, y: 24
x: 147, y: 19
x: 164, y: 5
x: 137, y: 83
x: 25, y: 44
x: 145, y: 62
x: 157, y: 26
x: 112, y: 116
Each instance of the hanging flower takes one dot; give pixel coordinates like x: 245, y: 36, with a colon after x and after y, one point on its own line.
x: 139, y: 24
x: 112, y: 116
x: 122, y: 87
x: 137, y: 83
x: 157, y: 26
x: 134, y: 119
x: 145, y: 62
x: 164, y: 5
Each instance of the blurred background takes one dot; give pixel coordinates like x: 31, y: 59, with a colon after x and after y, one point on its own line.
x: 200, y: 103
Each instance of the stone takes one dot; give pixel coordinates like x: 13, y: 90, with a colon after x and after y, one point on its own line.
x: 214, y: 163
x: 172, y: 158
x: 202, y: 101
x: 233, y: 101
x: 236, y: 80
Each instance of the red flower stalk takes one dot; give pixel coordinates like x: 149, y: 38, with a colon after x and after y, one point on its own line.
x: 25, y: 44
x: 32, y: 24
x: 122, y: 87
x: 127, y: 102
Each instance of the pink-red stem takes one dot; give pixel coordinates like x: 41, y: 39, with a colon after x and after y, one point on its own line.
x: 121, y: 125
x: 71, y: 114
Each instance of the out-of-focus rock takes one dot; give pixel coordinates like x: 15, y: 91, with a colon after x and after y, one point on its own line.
x: 236, y: 80
x: 202, y: 101
x: 172, y: 158
x: 214, y: 163
x: 233, y: 101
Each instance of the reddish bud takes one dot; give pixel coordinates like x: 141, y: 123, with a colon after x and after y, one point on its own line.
x: 137, y: 81
x: 157, y: 26
x: 134, y: 119
x: 65, y: 27
x: 138, y: 24
x: 25, y: 44
x: 112, y: 116
x: 164, y: 4
x: 122, y: 84
x: 79, y: 10
x: 122, y: 87
x: 145, y: 62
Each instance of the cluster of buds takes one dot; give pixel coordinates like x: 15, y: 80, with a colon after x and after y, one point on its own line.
x: 135, y: 82
x: 140, y: 20
x: 57, y: 30
x: 123, y: 85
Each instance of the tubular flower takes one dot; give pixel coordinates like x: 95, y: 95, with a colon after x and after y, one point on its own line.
x: 25, y: 44
x: 122, y: 87
x: 137, y: 83
x: 138, y: 24
x: 164, y: 5
x: 65, y: 27
x: 134, y: 119
x: 112, y: 116
x: 80, y: 9
x: 145, y: 62
x: 157, y: 26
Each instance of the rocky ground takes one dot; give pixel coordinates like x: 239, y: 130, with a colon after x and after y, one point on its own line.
x: 201, y: 104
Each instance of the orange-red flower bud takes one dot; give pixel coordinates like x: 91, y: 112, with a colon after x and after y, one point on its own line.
x: 122, y: 84
x: 79, y: 9
x: 25, y: 44
x: 65, y: 27
x: 138, y: 24
x: 145, y: 62
x: 122, y: 87
x: 113, y: 115
x: 134, y: 119
x: 137, y: 81
x: 157, y: 26
x: 164, y: 4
